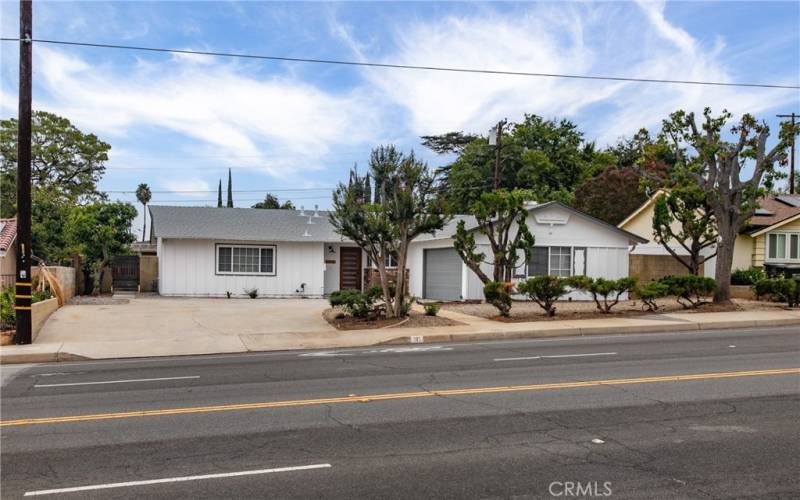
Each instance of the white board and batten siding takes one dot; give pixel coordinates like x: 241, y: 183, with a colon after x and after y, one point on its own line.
x: 188, y: 268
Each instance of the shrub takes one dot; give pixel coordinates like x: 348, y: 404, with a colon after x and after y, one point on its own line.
x: 544, y: 290
x: 747, y: 277
x: 650, y: 292
x: 252, y: 292
x: 690, y: 289
x: 355, y: 302
x: 228, y: 294
x: 779, y: 289
x: 498, y: 294
x: 431, y: 309
x: 8, y: 317
x: 605, y: 293
x: 38, y: 296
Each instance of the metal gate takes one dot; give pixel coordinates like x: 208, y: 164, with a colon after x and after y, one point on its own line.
x: 442, y: 270
x: 125, y: 272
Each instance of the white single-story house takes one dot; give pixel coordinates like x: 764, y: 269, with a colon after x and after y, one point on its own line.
x: 208, y: 251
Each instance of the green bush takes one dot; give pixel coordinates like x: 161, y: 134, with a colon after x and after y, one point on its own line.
x: 605, y: 293
x: 8, y: 317
x: 779, y: 289
x: 691, y: 290
x: 498, y: 294
x: 545, y: 290
x: 354, y: 302
x: 747, y: 277
x: 431, y: 309
x: 650, y: 292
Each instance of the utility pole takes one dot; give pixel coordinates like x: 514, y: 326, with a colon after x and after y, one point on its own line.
x: 23, y: 278
x: 496, y: 140
x: 793, y: 116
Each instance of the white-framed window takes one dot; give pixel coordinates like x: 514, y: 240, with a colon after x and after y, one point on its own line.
x: 246, y: 259
x: 391, y: 262
x: 783, y: 246
x: 552, y: 261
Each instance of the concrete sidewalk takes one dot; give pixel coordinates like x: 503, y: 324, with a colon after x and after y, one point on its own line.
x: 473, y: 329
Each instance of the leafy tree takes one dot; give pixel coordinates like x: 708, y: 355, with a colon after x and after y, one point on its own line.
x: 49, y: 223
x: 500, y: 216
x: 271, y: 201
x: 230, y: 191
x: 99, y: 231
x: 404, y: 205
x: 715, y: 165
x: 143, y: 195
x: 451, y: 142
x: 64, y: 160
x: 612, y: 195
x: 548, y: 157
x: 686, y: 208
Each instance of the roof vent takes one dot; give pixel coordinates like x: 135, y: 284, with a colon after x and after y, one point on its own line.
x: 310, y: 221
x: 307, y: 234
x: 316, y: 210
x: 302, y: 211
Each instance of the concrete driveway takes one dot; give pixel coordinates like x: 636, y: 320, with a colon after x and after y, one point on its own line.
x: 210, y: 325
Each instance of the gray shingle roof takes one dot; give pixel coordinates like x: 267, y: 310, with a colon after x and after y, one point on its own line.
x: 240, y: 224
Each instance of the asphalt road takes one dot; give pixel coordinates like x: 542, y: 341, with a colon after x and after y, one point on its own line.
x: 684, y: 415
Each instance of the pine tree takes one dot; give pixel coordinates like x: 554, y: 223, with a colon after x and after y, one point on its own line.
x: 230, y: 190
x: 219, y: 194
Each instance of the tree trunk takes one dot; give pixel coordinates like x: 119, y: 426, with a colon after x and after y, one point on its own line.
x: 144, y: 221
x: 724, y: 263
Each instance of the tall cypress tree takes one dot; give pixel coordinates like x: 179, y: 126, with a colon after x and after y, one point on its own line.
x: 230, y: 190
x: 219, y: 194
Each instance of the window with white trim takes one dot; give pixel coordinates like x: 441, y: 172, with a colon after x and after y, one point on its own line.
x: 391, y: 262
x: 552, y: 261
x: 232, y: 259
x: 783, y: 246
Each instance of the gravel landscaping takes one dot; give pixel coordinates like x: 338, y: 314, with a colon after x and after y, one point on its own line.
x: 530, y: 311
x: 414, y: 320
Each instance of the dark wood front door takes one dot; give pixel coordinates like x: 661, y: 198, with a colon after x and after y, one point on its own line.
x: 350, y: 268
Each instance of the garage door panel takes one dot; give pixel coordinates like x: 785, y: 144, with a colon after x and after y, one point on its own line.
x: 442, y: 279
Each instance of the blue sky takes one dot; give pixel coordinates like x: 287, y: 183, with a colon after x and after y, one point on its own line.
x: 178, y: 122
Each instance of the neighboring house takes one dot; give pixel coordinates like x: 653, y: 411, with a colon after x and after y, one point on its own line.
x: 8, y: 252
x: 771, y: 239
x: 204, y: 251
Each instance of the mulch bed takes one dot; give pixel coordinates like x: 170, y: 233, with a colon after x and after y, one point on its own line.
x: 414, y: 320
x: 523, y: 311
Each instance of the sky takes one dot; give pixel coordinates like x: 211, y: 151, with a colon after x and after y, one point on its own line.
x: 179, y: 122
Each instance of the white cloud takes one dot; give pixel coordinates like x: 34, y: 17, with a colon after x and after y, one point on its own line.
x: 217, y: 104
x: 603, y: 40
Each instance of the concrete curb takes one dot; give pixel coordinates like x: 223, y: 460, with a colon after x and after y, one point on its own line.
x: 597, y: 330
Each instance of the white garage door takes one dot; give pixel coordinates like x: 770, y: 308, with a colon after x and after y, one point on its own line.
x: 442, y: 274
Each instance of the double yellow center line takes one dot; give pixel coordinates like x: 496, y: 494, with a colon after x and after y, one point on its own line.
x: 395, y: 396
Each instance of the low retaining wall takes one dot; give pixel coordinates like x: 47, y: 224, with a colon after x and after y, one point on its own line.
x: 40, y: 311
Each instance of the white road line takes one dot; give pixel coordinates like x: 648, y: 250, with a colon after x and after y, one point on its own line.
x: 174, y: 480
x: 118, y: 381
x: 559, y: 356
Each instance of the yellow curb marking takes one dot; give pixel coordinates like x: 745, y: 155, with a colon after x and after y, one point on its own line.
x: 395, y: 396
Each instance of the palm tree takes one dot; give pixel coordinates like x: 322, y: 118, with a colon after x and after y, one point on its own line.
x: 143, y: 194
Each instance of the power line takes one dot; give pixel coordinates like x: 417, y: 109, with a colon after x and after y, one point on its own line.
x: 405, y: 66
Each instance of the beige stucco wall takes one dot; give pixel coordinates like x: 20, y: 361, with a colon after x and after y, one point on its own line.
x: 40, y: 311
x: 642, y: 224
x: 148, y: 273
x: 65, y: 276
